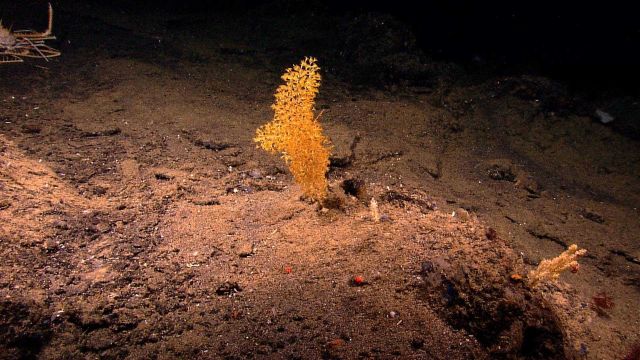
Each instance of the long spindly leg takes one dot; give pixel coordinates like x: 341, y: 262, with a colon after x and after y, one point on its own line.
x: 6, y: 58
x: 34, y: 49
x: 40, y: 50
x: 48, y: 51
x: 27, y: 49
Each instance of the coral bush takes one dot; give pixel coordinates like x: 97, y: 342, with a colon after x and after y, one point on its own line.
x: 295, y: 133
x: 549, y: 270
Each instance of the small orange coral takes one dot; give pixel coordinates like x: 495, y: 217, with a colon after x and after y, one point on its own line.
x: 295, y: 133
x: 549, y: 270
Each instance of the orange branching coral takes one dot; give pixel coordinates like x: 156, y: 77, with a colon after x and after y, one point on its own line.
x: 295, y: 133
x: 549, y: 270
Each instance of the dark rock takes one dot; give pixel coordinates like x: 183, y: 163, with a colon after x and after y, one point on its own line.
x: 593, y: 216
x: 212, y: 145
x: 356, y: 188
x: 162, y: 176
x: 209, y: 202
x: 107, y: 132
x: 502, y: 170
x: 31, y: 129
x: 417, y: 344
x: 228, y: 288
x: 426, y: 267
x: 491, y: 234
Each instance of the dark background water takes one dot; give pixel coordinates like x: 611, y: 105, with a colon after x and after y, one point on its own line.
x: 590, y: 45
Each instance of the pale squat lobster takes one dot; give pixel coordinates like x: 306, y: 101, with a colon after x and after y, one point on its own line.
x: 16, y: 45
